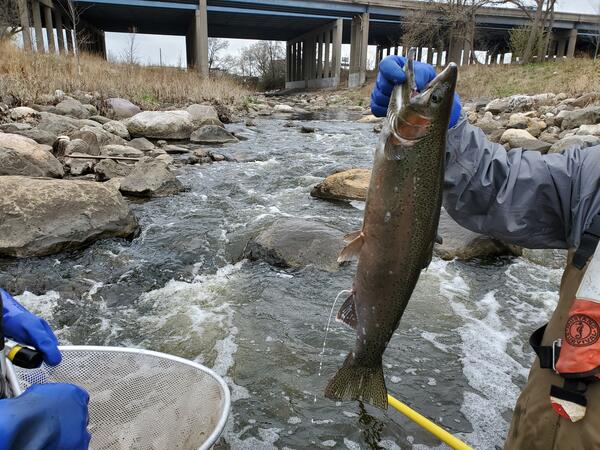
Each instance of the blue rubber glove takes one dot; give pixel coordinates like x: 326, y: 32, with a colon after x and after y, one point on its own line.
x: 390, y: 74
x: 26, y: 328
x: 45, y: 416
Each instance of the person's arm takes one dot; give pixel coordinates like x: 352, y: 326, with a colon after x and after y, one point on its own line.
x: 521, y: 197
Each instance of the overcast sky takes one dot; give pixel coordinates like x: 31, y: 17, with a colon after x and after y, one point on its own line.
x: 149, y: 47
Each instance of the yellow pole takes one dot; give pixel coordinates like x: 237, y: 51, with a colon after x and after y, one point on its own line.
x: 428, y: 425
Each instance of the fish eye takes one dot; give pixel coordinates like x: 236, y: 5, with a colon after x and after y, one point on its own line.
x: 435, y: 98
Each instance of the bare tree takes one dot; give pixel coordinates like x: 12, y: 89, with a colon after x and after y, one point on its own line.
x: 267, y: 60
x: 541, y: 25
x: 215, y: 46
x: 9, y: 19
x: 130, y: 54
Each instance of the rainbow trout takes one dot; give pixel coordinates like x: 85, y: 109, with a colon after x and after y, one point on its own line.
x: 399, y: 229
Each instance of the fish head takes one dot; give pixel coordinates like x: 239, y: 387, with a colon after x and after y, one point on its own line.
x: 417, y: 112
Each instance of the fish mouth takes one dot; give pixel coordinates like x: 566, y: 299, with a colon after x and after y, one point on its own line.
x: 409, y: 127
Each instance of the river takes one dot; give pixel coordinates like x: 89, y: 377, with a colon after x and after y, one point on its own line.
x: 460, y: 355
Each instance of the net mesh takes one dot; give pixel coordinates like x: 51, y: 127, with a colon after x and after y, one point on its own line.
x: 139, y: 400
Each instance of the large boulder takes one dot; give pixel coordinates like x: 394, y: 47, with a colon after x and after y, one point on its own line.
x: 593, y: 130
x: 90, y: 138
x: 460, y: 243
x: 203, y: 115
x: 516, y: 138
x: 579, y: 141
x: 20, y: 155
x: 43, y: 216
x: 119, y: 108
x: 161, y: 124
x: 24, y: 114
x: 39, y: 136
x: 103, y: 136
x: 79, y: 166
x: 150, y: 178
x: 142, y: 144
x: 117, y: 128
x: 573, y: 119
x: 59, y: 125
x: 516, y: 103
x: 73, y: 108
x: 350, y: 184
x: 108, y: 169
x: 294, y: 242
x: 212, y: 134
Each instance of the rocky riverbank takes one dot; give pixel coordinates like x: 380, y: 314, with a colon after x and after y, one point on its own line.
x: 70, y: 165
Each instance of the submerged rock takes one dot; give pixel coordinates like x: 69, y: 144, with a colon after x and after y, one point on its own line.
x: 20, y: 155
x: 347, y: 185
x: 150, y: 178
x: 43, y: 216
x: 294, y: 242
x: 460, y: 243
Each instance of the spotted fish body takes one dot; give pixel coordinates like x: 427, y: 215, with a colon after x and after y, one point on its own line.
x: 399, y: 228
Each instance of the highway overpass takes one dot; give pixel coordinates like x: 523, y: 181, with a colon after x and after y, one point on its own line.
x: 313, y: 29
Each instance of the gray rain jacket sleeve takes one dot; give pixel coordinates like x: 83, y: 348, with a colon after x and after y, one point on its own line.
x: 520, y: 197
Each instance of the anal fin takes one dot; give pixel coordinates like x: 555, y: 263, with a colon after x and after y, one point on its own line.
x: 347, y: 313
x: 351, y: 251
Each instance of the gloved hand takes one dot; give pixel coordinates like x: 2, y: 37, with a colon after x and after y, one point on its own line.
x: 26, y: 328
x: 48, y: 416
x: 391, y: 73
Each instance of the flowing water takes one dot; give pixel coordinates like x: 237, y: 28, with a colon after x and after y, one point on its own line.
x: 459, y: 356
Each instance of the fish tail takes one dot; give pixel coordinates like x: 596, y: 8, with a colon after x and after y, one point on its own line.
x: 355, y: 382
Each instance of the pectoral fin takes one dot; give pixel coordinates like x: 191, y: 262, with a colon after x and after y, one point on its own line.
x: 347, y: 313
x: 351, y: 236
x: 352, y: 249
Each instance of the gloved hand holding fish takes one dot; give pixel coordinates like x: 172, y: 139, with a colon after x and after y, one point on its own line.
x: 399, y: 228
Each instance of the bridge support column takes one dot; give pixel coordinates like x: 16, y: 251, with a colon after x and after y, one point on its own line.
x: 37, y: 24
x: 572, y: 43
x: 430, y: 51
x: 359, y: 41
x: 24, y: 20
x: 49, y: 29
x: 60, y: 33
x: 314, y: 58
x: 70, y: 46
x: 562, y: 46
x: 196, y: 40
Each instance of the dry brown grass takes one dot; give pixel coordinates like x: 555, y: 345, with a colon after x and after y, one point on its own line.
x: 30, y: 77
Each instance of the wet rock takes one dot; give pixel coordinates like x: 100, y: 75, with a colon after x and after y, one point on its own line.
x: 348, y: 185
x: 573, y: 119
x: 161, y: 124
x: 150, y: 178
x: 523, y: 139
x: 289, y: 125
x: 43, y: 216
x: 175, y: 149
x: 14, y: 127
x: 377, y: 128
x: 307, y: 129
x: 100, y: 119
x: 583, y: 141
x: 117, y: 128
x: 142, y: 144
x: 108, y: 169
x: 167, y: 159
x: 80, y: 166
x: 297, y: 243
x: 39, y: 136
x: 24, y: 114
x: 592, y: 130
x: 250, y: 123
x: 460, y: 243
x: 73, y: 108
x: 553, y: 258
x: 203, y: 115
x: 212, y: 134
x: 20, y: 155
x: 370, y: 119
x: 119, y: 108
x: 121, y: 150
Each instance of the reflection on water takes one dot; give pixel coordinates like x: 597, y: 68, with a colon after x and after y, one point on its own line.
x: 459, y: 356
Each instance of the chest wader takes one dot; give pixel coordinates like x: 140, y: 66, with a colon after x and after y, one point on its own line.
x: 576, y: 356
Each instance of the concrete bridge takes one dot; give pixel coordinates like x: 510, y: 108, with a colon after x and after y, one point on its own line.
x: 314, y: 30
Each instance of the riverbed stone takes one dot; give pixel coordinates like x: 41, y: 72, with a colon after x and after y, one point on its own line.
x: 581, y: 141
x: 39, y: 136
x: 516, y: 138
x: 460, y: 243
x: 20, y: 155
x: 592, y: 130
x: 80, y: 166
x: 108, y: 169
x: 150, y: 178
x: 24, y: 114
x: 292, y: 242
x: 174, y: 124
x: 103, y: 137
x: 73, y: 108
x: 488, y: 124
x: 142, y: 144
x: 283, y: 108
x: 117, y: 128
x: 44, y: 216
x: 121, y: 151
x: 77, y: 146
x: 212, y: 134
x: 15, y: 127
x: 347, y: 185
x: 120, y: 108
x: 573, y: 119
x: 204, y: 115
